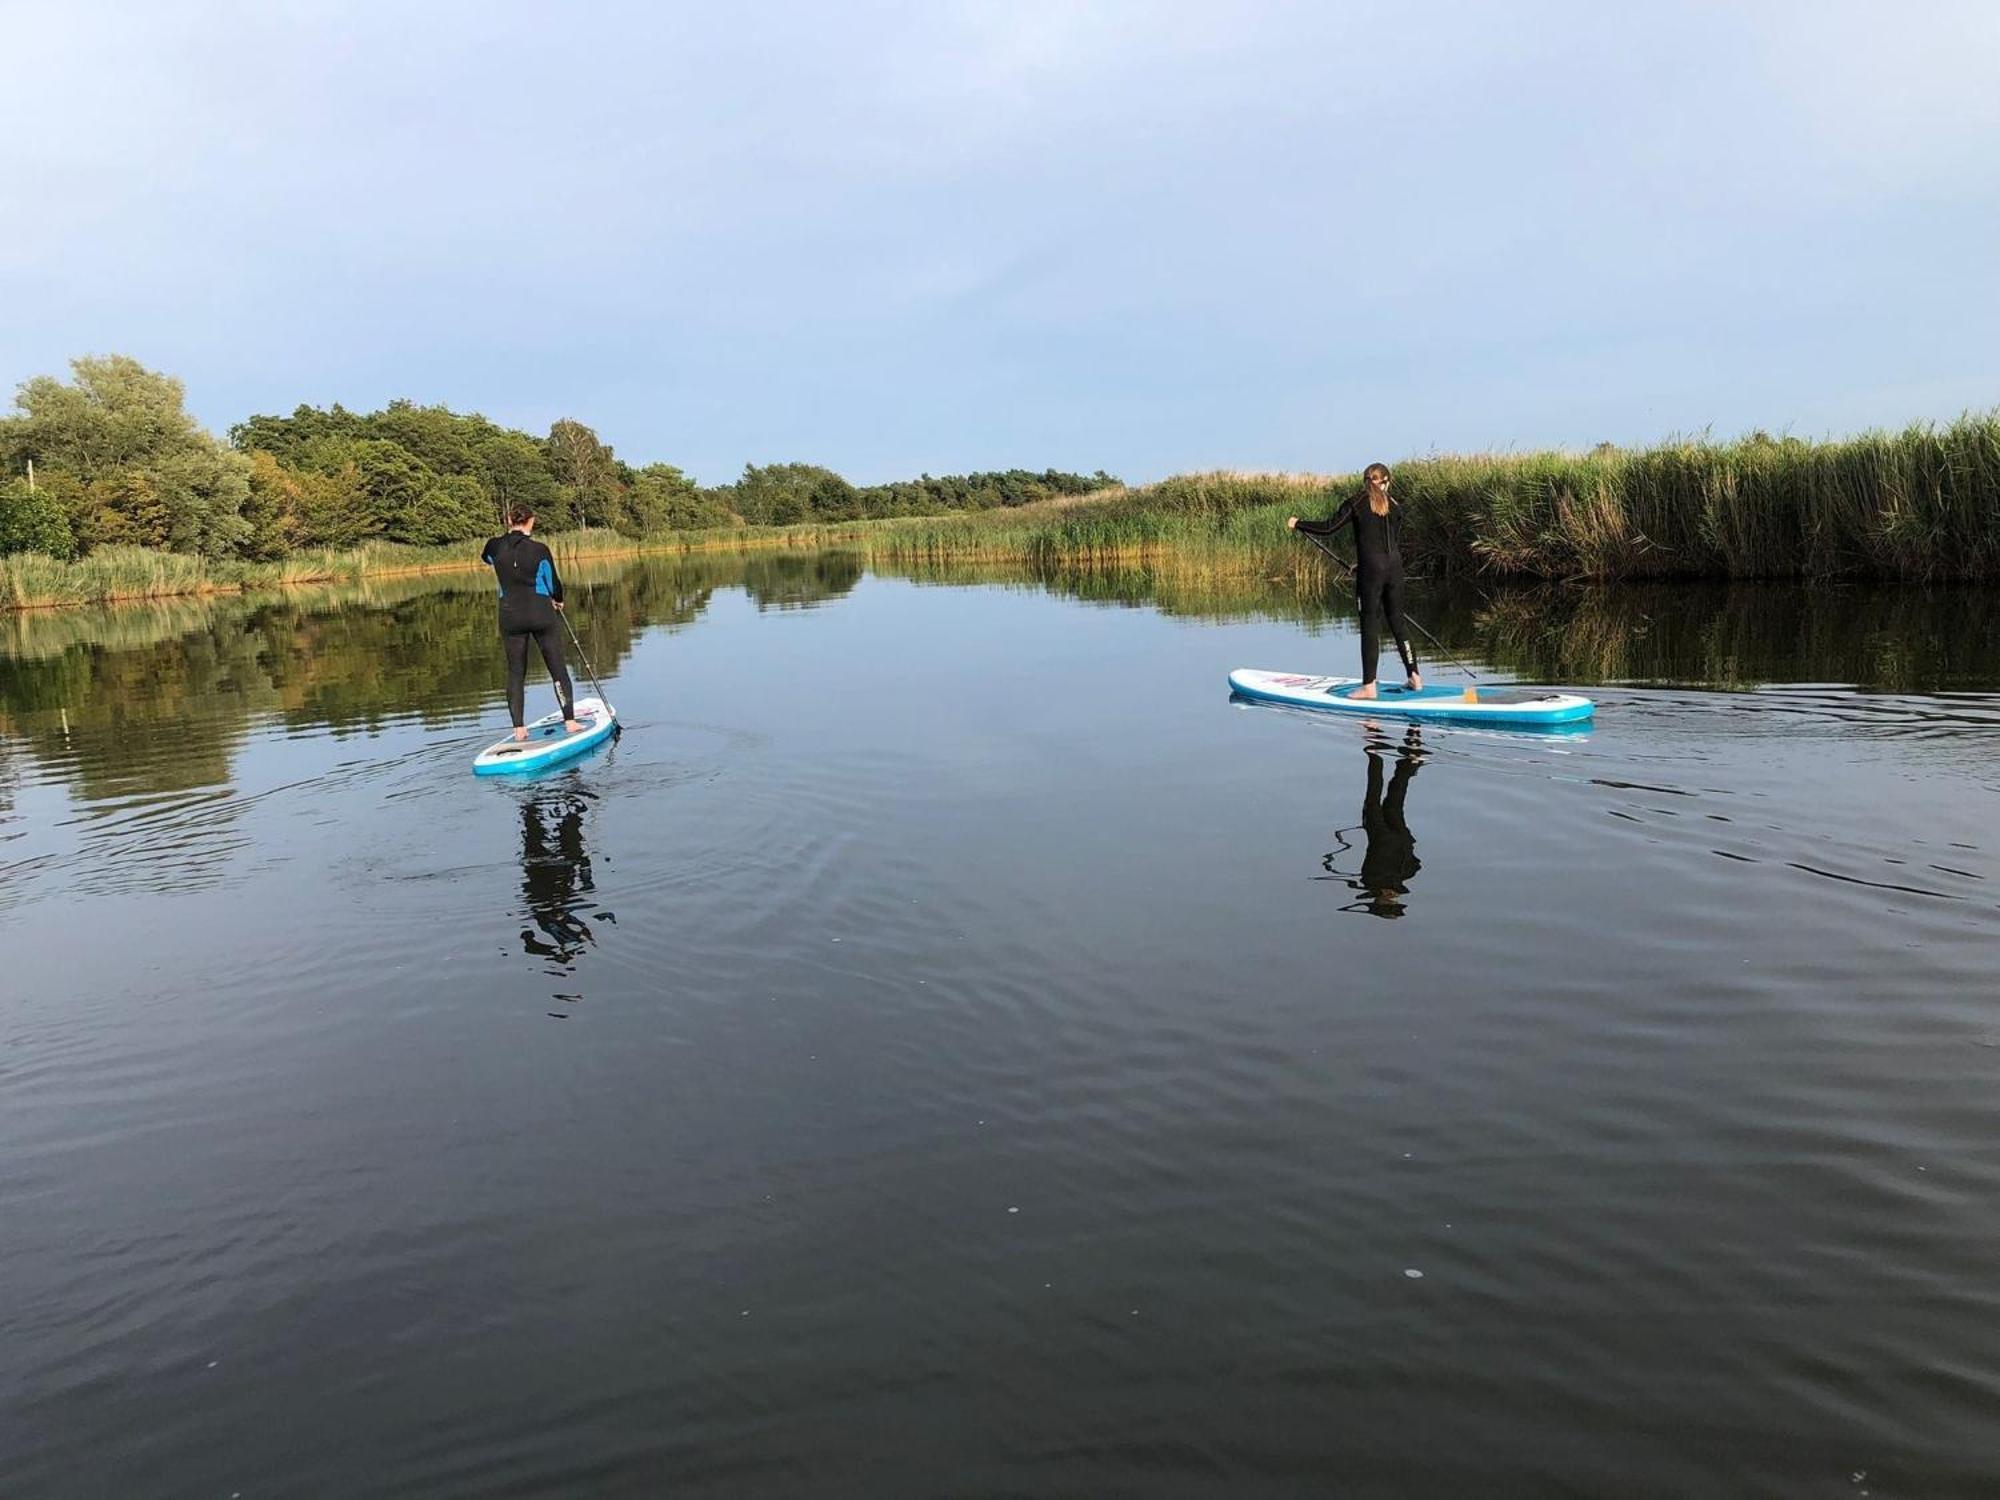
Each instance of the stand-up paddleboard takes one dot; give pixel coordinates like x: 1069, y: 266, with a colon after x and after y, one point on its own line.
x: 1488, y: 706
x: 547, y: 744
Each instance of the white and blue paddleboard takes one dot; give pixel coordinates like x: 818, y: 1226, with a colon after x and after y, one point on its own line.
x: 1526, y: 706
x: 547, y: 744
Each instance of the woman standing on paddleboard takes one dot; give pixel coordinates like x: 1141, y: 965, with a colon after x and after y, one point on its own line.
x: 531, y: 592
x: 1378, y: 570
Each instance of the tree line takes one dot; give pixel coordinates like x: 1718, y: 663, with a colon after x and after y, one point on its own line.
x: 112, y: 457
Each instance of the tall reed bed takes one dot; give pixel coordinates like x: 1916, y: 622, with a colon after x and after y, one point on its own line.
x: 1920, y: 504
x: 28, y: 579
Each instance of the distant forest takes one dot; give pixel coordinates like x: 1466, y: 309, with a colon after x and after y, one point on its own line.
x: 113, y: 458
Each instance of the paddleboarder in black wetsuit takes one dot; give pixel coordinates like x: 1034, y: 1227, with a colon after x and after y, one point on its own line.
x: 1378, y: 571
x: 531, y: 592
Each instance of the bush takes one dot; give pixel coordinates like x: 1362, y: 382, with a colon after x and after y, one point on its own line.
x: 34, y: 521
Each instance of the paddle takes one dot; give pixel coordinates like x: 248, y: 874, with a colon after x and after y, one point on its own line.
x: 617, y: 729
x: 1471, y: 693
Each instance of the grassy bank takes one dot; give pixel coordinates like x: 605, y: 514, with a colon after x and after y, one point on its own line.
x: 113, y: 575
x: 1918, y: 505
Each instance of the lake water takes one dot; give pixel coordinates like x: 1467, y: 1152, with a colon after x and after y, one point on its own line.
x: 948, y: 1048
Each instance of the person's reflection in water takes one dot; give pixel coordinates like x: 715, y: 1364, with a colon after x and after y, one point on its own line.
x: 556, y: 883
x: 1389, y: 861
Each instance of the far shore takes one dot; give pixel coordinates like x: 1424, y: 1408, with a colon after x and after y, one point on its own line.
x: 1918, y: 506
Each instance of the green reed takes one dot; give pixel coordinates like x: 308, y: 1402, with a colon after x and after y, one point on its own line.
x: 112, y: 575
x: 1921, y: 505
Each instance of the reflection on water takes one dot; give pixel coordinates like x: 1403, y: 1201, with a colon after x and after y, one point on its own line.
x: 1389, y: 851
x: 558, y: 889
x: 103, y: 695
x: 1742, y: 635
x: 954, y: 1066
x: 143, y: 711
x: 350, y: 654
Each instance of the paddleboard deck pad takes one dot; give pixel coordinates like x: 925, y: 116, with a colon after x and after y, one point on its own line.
x: 1335, y: 694
x: 547, y: 744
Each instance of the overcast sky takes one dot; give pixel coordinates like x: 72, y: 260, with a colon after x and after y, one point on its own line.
x: 897, y: 237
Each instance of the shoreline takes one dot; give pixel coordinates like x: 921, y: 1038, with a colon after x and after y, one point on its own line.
x: 896, y: 540
x: 1917, y: 507
x: 178, y: 576
x: 200, y: 586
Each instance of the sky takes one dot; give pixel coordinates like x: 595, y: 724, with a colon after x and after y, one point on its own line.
x: 1150, y: 236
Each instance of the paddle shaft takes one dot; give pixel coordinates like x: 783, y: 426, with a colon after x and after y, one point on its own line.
x: 1406, y: 614
x: 584, y: 659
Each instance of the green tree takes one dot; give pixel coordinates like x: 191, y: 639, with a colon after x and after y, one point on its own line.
x: 832, y: 498
x: 331, y: 509
x: 570, y: 478
x: 451, y: 510
x: 789, y: 494
x: 516, y: 472
x: 665, y: 499
x: 289, y: 438
x: 440, y: 439
x: 267, y: 512
x: 311, y: 508
x: 586, y: 474
x: 393, y: 479
x: 1010, y: 487
x: 148, y: 470
x: 469, y: 468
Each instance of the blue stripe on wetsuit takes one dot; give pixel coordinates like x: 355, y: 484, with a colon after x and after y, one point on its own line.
x: 545, y: 579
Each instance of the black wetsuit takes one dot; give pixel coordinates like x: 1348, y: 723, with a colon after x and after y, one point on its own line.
x: 530, y: 590
x: 1378, y: 576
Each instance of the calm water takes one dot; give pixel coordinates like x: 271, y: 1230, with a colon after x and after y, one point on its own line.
x: 947, y: 1047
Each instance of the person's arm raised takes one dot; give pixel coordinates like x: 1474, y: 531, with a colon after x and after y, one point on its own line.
x: 1331, y: 525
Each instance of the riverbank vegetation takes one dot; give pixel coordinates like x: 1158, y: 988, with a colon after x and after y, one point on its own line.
x: 1922, y: 504
x: 113, y: 575
x: 110, y: 463
x: 112, y: 491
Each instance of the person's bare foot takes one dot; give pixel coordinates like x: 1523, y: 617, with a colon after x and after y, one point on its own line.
x: 520, y: 731
x: 1366, y: 690
x: 1416, y: 683
x: 571, y: 726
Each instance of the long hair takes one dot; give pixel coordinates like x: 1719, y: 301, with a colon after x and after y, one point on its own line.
x: 1362, y: 494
